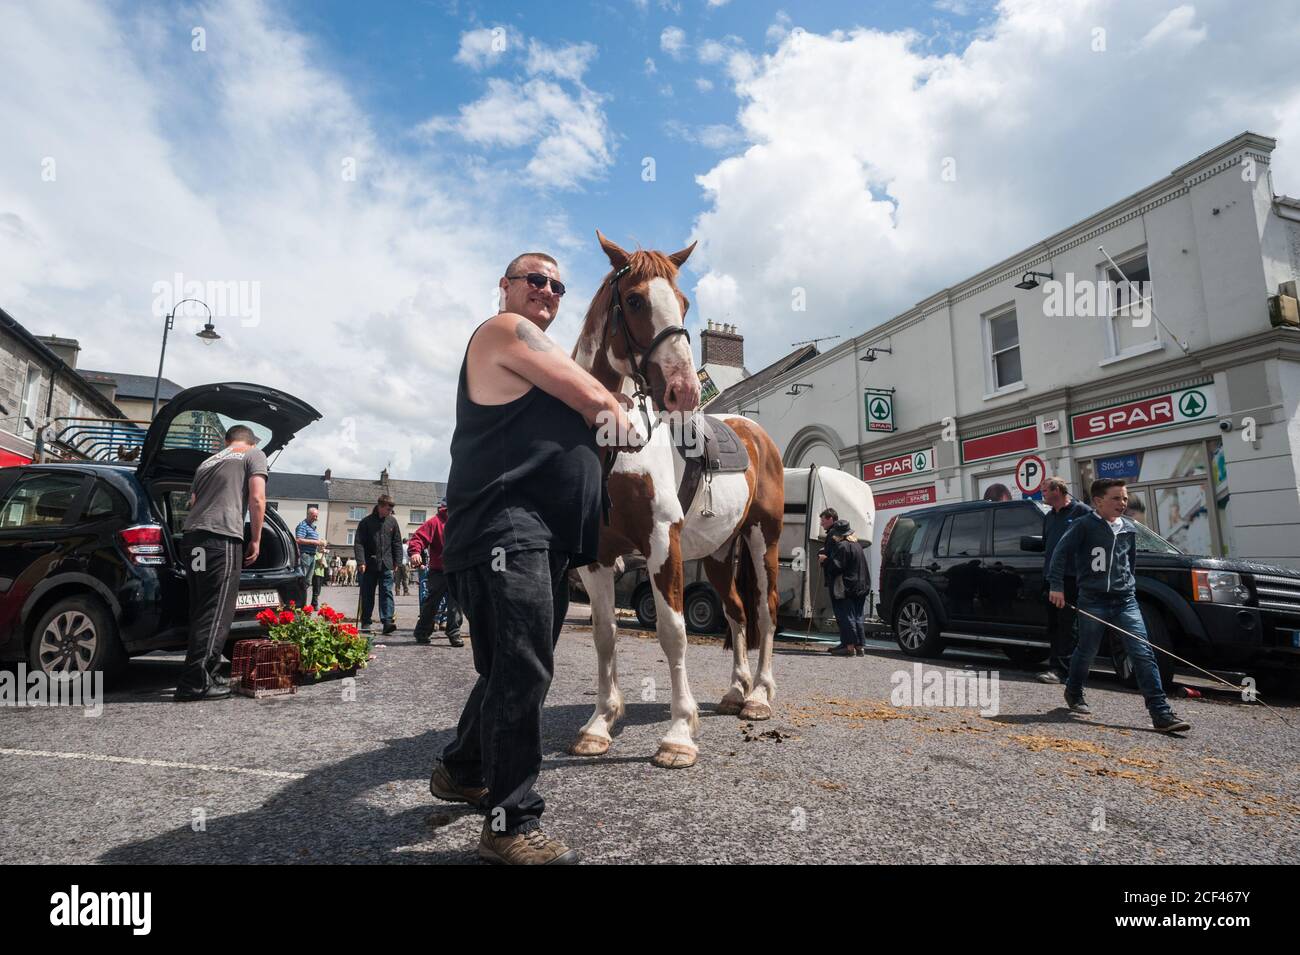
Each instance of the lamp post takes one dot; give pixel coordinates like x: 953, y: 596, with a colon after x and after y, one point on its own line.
x: 209, y: 335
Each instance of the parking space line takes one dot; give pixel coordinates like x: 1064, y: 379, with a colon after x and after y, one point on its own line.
x: 161, y: 763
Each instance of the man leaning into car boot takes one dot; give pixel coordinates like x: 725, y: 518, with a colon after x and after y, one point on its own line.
x: 1103, y: 545
x: 227, y: 485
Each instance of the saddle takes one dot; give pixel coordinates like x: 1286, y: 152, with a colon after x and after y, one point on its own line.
x: 716, y: 449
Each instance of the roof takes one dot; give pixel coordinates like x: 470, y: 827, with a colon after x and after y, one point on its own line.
x: 295, y: 487
x: 738, y: 392
x: 134, y: 386
x: 406, y: 493
x: 66, y: 372
x: 724, y: 376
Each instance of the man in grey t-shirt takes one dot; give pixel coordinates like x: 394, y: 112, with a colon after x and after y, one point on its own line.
x: 226, y: 485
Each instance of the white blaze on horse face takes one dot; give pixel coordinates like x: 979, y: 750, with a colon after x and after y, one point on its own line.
x: 674, y: 355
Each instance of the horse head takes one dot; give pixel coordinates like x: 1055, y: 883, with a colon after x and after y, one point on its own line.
x: 635, y: 326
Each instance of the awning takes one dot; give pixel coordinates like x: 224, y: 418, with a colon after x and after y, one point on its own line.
x: 9, y: 459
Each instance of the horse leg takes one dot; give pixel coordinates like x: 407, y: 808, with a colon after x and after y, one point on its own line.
x: 595, y: 737
x: 677, y: 749
x: 722, y: 575
x: 765, y: 555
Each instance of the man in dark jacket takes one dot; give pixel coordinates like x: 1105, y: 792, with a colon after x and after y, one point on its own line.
x: 848, y: 577
x: 1065, y: 510
x: 425, y: 548
x: 378, y: 547
x: 1103, y: 545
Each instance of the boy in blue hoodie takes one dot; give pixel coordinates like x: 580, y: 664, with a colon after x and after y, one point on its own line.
x: 1103, y: 545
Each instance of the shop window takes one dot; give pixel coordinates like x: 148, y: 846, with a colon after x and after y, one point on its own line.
x: 1003, y: 344
x: 1130, y: 307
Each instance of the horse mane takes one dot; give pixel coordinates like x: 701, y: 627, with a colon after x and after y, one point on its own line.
x: 646, y: 264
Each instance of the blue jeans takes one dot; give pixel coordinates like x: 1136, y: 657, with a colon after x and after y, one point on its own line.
x: 849, y: 614
x: 383, y: 578
x: 1122, y: 611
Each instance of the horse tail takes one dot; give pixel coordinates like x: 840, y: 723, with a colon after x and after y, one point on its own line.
x: 750, y: 597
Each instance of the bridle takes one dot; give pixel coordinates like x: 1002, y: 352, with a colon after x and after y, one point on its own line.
x: 617, y: 320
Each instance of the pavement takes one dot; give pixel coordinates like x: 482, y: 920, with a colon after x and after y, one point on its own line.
x: 840, y: 774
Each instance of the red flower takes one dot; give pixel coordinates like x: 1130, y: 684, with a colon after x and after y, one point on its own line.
x: 308, y: 609
x: 286, y: 617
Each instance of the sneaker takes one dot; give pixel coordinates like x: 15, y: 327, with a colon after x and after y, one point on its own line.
x: 422, y: 638
x: 1077, y: 704
x: 1170, y: 723
x: 443, y: 787
x: 526, y: 848
x: 215, y: 691
x: 1048, y: 676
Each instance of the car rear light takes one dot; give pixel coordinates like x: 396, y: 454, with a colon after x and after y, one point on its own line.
x: 144, y: 544
x: 884, y: 538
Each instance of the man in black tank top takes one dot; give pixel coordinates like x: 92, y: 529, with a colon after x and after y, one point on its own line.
x: 524, y: 499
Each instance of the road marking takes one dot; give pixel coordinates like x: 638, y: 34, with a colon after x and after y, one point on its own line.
x: 161, y: 763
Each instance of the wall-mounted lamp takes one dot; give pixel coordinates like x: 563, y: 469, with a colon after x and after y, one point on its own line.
x: 871, y: 353
x: 798, y: 388
x: 1030, y: 280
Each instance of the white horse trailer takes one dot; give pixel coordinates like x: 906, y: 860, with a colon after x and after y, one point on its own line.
x: 805, y: 600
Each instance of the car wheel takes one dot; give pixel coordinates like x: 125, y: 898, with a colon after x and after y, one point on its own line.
x: 703, y: 614
x: 643, y: 602
x: 1158, y: 634
x: 916, y: 627
x: 76, y: 635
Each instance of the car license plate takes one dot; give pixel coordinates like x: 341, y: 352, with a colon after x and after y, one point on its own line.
x: 257, y: 598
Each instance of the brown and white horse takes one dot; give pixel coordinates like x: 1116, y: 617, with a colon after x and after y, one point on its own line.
x: 633, y: 340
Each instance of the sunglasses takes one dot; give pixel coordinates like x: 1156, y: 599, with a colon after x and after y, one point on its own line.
x: 539, y: 281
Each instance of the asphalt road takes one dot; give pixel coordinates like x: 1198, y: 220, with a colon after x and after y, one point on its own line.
x: 839, y: 775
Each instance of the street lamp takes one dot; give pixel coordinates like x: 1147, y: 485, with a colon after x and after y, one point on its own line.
x: 209, y: 335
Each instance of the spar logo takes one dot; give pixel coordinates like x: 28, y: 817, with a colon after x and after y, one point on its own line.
x: 914, y: 462
x: 1175, y: 407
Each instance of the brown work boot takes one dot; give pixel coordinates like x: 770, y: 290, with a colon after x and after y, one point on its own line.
x: 444, y: 787
x: 527, y: 848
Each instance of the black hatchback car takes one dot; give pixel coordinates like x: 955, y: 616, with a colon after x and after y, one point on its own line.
x: 972, y: 573
x: 90, y: 565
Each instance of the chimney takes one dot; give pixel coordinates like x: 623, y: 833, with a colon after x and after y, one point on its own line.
x: 721, y: 345
x: 383, y: 477
x: 65, y: 348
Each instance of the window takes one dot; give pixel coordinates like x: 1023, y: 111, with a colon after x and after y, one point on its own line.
x: 356, y: 514
x: 103, y: 503
x: 964, y: 535
x: 30, y: 401
x: 1012, y: 523
x: 417, y: 517
x: 352, y: 538
x: 906, y: 540
x: 1128, y: 306
x: 1004, y: 350
x: 40, y: 500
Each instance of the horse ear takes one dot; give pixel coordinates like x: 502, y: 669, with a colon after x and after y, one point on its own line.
x: 617, y: 256
x: 678, y: 258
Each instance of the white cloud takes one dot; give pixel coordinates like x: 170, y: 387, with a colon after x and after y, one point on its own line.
x: 779, y: 28
x: 1175, y: 30
x: 718, y: 136
x: 650, y: 68
x: 567, y: 62
x: 837, y: 187
x: 703, y: 84
x: 226, y: 165
x: 673, y: 41
x: 482, y: 48
x: 711, y: 51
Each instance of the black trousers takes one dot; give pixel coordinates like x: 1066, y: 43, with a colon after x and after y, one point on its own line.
x: 212, y: 566
x: 515, y: 615
x: 1061, y: 629
x: 437, y: 584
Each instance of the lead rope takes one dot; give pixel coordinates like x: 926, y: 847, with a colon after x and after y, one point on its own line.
x: 1189, y: 663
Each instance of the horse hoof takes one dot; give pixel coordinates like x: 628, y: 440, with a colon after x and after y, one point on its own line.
x: 755, y: 711
x: 729, y: 707
x: 675, y: 756
x: 589, y: 745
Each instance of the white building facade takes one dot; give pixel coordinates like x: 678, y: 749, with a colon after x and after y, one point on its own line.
x: 1179, y: 383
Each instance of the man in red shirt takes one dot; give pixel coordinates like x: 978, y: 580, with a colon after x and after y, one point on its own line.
x: 425, y: 548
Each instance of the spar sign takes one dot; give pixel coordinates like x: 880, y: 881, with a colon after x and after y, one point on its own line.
x: 914, y: 462
x: 880, y: 409
x: 1161, y: 411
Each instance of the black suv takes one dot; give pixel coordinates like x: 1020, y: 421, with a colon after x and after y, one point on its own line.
x: 972, y: 573
x: 90, y: 565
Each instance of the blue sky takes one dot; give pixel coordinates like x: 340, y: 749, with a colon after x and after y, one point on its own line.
x: 802, y: 146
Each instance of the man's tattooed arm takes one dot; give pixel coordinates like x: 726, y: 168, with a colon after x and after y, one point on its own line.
x: 528, y: 334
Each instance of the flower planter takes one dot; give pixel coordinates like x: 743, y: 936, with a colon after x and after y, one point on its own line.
x: 303, y: 678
